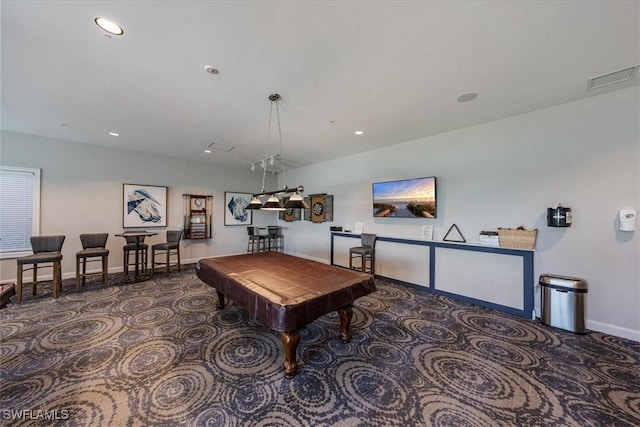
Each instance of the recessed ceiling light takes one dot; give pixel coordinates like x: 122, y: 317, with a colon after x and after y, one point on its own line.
x: 466, y: 97
x: 359, y: 132
x: 114, y: 134
x: 109, y: 26
x: 207, y: 151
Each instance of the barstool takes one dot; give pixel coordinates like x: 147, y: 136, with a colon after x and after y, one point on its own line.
x: 93, y: 246
x: 170, y: 247
x: 366, y: 252
x: 130, y: 248
x: 275, y: 238
x: 256, y: 241
x: 46, y: 249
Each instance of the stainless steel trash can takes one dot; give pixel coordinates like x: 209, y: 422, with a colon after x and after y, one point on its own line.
x: 563, y: 301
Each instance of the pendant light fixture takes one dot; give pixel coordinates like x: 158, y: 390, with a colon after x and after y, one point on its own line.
x: 273, y: 202
x: 296, y: 201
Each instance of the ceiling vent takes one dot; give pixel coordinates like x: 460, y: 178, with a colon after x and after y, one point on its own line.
x: 215, y: 146
x: 612, y: 78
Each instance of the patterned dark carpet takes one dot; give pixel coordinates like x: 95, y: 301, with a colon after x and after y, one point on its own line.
x: 157, y: 353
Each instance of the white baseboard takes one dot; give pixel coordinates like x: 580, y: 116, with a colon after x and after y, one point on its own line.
x: 617, y: 331
x: 72, y: 274
x: 320, y: 260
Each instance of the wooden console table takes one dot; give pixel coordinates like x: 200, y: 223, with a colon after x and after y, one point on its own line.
x: 489, y: 276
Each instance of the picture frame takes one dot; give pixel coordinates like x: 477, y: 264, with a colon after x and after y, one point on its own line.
x: 235, y: 208
x: 144, y: 206
x: 427, y: 232
x: 359, y: 228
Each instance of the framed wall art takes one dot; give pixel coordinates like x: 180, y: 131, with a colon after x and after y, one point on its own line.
x: 144, y: 206
x: 235, y: 208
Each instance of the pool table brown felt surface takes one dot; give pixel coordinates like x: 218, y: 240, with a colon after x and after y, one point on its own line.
x: 286, y: 292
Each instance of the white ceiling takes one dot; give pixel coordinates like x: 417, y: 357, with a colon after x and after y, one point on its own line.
x: 391, y: 68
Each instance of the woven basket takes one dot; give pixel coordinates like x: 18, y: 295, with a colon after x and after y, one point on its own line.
x: 517, y: 238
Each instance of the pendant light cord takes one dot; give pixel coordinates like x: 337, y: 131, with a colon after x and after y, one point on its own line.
x: 284, y: 172
x: 266, y: 148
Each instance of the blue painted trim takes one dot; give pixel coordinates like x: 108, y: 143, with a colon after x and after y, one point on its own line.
x: 527, y: 270
x: 432, y: 268
x: 331, y: 257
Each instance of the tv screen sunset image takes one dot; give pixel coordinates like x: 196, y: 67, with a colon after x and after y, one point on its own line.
x: 407, y: 198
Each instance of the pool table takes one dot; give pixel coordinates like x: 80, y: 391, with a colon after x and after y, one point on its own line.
x: 286, y: 292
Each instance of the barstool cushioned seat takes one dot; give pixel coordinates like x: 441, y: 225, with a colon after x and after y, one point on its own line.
x: 275, y: 238
x: 130, y: 248
x: 46, y: 249
x: 257, y: 242
x: 93, y: 246
x: 170, y: 247
x: 366, y: 252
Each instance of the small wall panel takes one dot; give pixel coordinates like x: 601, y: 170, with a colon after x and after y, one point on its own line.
x: 403, y: 262
x: 341, y: 247
x: 490, y: 277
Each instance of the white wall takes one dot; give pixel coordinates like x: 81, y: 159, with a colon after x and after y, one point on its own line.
x: 81, y: 192
x: 585, y: 155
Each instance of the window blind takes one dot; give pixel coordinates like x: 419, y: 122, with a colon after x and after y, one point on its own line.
x: 16, y: 210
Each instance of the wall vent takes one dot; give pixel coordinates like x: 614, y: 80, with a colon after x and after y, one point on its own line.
x: 612, y: 78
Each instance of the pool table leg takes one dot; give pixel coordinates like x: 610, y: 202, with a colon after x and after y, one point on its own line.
x: 220, y: 305
x: 290, y: 342
x: 346, y: 313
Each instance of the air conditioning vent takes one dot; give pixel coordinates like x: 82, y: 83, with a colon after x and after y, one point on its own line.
x: 612, y: 78
x: 216, y: 146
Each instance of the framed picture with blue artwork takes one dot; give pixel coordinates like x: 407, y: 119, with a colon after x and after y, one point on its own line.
x: 235, y: 208
x: 144, y: 206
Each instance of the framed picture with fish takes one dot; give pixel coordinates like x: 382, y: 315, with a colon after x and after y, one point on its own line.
x: 144, y: 206
x: 235, y: 208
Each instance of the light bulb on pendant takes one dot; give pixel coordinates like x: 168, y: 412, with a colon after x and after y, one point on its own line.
x: 296, y: 202
x: 273, y: 204
x: 255, y: 203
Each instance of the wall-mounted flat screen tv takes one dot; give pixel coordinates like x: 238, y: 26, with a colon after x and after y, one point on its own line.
x: 405, y: 198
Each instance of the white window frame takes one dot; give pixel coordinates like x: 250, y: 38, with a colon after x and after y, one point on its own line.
x: 35, y: 214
